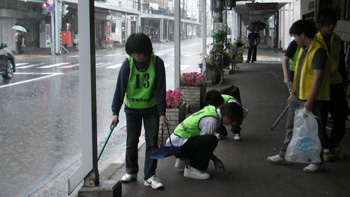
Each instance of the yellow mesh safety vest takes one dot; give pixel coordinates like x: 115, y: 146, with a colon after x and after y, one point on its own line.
x: 228, y: 97
x: 333, y: 56
x: 307, y: 75
x: 190, y: 126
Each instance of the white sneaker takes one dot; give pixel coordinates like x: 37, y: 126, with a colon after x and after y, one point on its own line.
x: 154, y: 182
x: 194, y: 173
x: 313, y: 168
x: 181, y: 163
x: 220, y: 137
x: 129, y: 178
x: 277, y: 160
x: 237, y: 137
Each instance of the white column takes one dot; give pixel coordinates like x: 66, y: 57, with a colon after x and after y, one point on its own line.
x: 283, y: 27
x: 57, y: 29
x: 126, y: 21
x: 88, y: 116
x: 161, y: 30
x: 52, y: 34
x: 167, y: 30
x: 204, y: 32
x: 177, y: 44
x: 279, y: 29
x: 289, y: 22
x: 138, y: 24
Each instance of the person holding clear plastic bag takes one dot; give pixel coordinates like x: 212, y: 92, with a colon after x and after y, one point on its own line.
x: 310, y: 88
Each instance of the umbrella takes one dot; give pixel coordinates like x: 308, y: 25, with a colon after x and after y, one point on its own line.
x: 256, y: 26
x: 19, y: 28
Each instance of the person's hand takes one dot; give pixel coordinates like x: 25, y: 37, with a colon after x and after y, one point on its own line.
x: 115, y: 121
x: 308, y: 105
x: 218, y: 164
x: 164, y: 121
x: 286, y: 81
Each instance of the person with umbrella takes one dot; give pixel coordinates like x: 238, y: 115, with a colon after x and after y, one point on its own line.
x: 254, y: 40
x: 19, y: 37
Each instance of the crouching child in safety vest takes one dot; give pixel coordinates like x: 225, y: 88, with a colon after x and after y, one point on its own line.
x: 195, y: 136
x: 213, y: 97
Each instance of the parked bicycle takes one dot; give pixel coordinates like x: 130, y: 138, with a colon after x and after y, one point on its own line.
x: 214, y: 70
x: 233, y: 51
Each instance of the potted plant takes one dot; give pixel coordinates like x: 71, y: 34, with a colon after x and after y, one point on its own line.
x: 192, y: 86
x: 239, y: 43
x: 218, y: 46
x: 175, y: 111
x: 174, y: 98
x: 192, y: 79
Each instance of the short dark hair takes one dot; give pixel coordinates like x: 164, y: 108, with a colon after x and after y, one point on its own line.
x: 303, y: 26
x: 213, y: 97
x: 139, y: 43
x: 326, y: 16
x: 234, y: 111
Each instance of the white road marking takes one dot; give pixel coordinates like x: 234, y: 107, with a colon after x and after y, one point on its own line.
x: 21, y: 64
x: 29, y: 66
x: 70, y: 66
x: 19, y: 73
x: 114, y: 55
x: 114, y: 66
x: 30, y: 80
x: 54, y: 65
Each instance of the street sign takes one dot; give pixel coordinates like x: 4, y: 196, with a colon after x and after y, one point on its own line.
x: 50, y: 2
x: 51, y: 9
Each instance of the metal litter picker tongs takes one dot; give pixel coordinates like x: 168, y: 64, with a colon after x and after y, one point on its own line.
x: 290, y: 85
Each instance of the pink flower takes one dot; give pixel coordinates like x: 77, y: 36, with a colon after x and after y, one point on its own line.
x: 168, y: 103
x: 192, y: 79
x: 174, y: 99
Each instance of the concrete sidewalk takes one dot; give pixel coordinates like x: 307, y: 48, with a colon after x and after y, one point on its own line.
x: 247, y: 171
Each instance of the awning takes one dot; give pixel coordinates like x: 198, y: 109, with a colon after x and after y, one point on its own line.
x: 251, y: 12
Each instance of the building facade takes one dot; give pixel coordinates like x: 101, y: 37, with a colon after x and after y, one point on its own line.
x: 115, y: 20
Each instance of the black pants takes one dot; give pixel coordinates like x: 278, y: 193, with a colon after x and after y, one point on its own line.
x: 250, y: 51
x: 199, y: 150
x: 338, y: 109
x: 223, y: 132
x: 19, y: 47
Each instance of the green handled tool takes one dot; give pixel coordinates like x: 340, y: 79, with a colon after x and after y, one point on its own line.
x: 104, y: 145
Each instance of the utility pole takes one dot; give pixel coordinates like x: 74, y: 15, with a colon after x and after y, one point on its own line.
x: 218, y: 6
x: 58, y: 25
x: 52, y: 34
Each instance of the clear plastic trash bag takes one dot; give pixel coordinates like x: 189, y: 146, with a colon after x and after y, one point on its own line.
x: 305, y: 146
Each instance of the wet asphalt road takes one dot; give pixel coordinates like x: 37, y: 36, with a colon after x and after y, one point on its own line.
x: 40, y: 112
